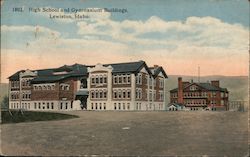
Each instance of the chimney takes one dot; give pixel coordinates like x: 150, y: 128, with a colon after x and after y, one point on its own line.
x: 180, y: 90
x: 215, y: 83
x: 156, y: 66
x: 192, y: 81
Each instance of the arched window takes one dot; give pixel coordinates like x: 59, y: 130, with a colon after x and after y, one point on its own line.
x: 93, y: 80
x: 104, y: 106
x: 101, y: 79
x: 101, y: 94
x: 92, y: 94
x: 96, y: 94
x: 104, y: 94
x: 105, y: 79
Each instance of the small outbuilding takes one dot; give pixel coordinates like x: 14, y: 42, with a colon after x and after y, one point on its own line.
x: 175, y: 107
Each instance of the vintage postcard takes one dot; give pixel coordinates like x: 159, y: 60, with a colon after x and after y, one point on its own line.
x: 124, y: 78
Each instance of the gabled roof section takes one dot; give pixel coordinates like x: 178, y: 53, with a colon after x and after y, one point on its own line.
x: 206, y: 86
x: 15, y: 76
x: 53, y: 75
x: 129, y: 67
x: 156, y: 71
x: 210, y: 87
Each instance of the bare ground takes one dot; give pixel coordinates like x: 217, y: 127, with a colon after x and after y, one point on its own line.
x: 131, y: 133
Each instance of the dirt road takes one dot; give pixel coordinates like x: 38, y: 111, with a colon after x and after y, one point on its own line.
x: 131, y: 133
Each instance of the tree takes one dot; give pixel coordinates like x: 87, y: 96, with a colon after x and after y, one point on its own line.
x: 5, y: 102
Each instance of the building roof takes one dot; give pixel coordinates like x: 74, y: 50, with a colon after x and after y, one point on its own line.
x: 56, y: 74
x: 207, y: 86
x: 66, y: 71
x: 156, y: 70
x: 129, y: 67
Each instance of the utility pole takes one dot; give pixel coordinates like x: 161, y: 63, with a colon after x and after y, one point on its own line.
x: 198, y: 74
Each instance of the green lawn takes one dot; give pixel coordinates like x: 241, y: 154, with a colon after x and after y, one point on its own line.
x: 30, y: 116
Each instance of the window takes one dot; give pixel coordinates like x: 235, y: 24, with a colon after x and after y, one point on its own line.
x: 61, y: 106
x: 71, y: 105
x: 124, y: 106
x: 115, y: 80
x: 119, y: 94
x: 67, y: 87
x: 124, y: 79
x: 39, y: 105
x: 115, y: 94
x: 138, y: 94
x: 161, y: 83
x: 66, y: 105
x: 120, y: 79
x: 115, y: 106
x: 124, y: 94
x: 47, y: 105
x: 100, y: 105
x: 92, y: 94
x: 52, y: 105
x: 139, y: 79
x: 105, y: 79
x: 104, y: 106
x: 92, y: 80
x: 96, y: 94
x: 128, y: 106
x: 92, y: 106
x: 101, y: 79
x: 161, y: 95
x: 100, y: 94
x: 104, y: 94
x: 128, y: 94
x: 119, y: 106
x: 128, y: 79
x: 96, y: 80
x: 35, y: 105
x: 49, y: 88
x: 96, y: 106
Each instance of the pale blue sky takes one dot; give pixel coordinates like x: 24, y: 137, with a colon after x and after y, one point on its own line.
x: 171, y: 29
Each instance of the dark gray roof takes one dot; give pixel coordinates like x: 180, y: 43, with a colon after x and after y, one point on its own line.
x: 48, y: 75
x: 206, y: 86
x: 15, y: 76
x: 156, y: 70
x: 130, y: 67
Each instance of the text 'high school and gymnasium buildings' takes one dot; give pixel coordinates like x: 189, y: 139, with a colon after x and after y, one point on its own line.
x: 122, y: 86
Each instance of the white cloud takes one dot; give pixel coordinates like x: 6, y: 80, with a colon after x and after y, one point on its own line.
x: 27, y: 28
x: 218, y: 47
x: 201, y: 31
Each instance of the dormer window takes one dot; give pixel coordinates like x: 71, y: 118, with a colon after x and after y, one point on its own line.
x: 64, y: 86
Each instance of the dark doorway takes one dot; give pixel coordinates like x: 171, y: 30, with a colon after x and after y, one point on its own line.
x: 83, y: 99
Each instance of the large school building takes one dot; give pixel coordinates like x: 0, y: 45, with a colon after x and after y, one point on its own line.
x: 121, y: 86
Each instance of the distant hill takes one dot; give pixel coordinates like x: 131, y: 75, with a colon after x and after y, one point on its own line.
x: 237, y: 85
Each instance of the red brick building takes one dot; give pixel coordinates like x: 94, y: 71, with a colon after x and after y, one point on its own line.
x: 121, y: 86
x: 197, y: 96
